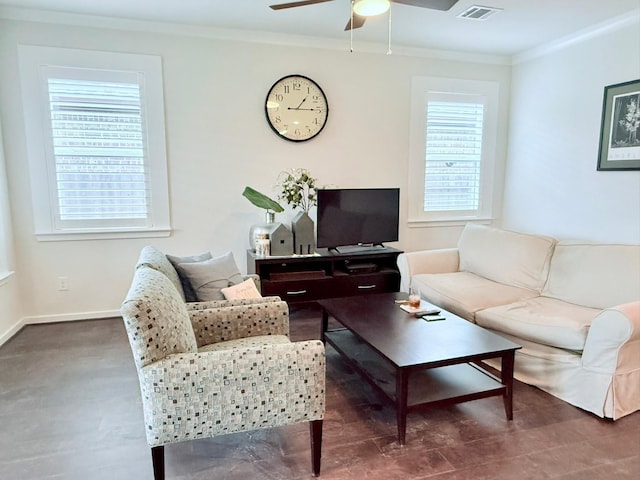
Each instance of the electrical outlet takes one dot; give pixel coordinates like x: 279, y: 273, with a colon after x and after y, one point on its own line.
x: 63, y: 283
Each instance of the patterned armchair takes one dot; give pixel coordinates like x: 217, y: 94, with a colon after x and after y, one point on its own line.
x: 208, y: 372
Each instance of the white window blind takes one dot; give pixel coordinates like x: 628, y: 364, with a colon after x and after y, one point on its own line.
x: 99, y: 150
x: 453, y: 156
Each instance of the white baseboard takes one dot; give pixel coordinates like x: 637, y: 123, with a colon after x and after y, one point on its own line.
x: 63, y: 317
x: 5, y: 336
x: 70, y: 317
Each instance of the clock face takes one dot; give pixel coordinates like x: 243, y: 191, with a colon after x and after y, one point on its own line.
x: 296, y: 108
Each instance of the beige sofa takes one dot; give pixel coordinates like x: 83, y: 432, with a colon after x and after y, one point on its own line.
x: 573, y: 306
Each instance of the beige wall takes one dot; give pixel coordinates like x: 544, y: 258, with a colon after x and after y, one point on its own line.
x: 552, y: 185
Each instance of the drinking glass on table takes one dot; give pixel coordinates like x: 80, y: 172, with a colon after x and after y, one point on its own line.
x: 414, y: 298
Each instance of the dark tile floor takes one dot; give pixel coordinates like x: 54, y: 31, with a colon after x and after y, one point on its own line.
x: 70, y: 409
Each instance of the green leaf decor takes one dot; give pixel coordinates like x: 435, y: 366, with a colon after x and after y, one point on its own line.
x: 260, y: 200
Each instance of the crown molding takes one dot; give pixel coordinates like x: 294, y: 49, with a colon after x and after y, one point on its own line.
x: 622, y: 21
x: 253, y: 36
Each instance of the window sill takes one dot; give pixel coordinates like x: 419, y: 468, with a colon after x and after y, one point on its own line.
x: 102, y: 235
x: 448, y: 222
x: 4, y: 277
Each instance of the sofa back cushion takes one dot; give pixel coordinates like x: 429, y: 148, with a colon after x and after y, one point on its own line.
x: 594, y: 275
x: 152, y: 257
x: 156, y: 318
x: 511, y: 258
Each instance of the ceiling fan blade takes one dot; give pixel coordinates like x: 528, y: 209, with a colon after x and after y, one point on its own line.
x: 358, y: 21
x: 433, y: 4
x: 302, y: 3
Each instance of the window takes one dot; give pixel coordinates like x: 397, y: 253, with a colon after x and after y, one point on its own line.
x: 95, y: 127
x: 453, y: 134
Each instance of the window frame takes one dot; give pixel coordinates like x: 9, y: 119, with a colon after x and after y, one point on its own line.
x: 34, y: 63
x: 422, y: 87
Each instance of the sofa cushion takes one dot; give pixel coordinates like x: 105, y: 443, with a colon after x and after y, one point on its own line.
x: 541, y: 320
x: 156, y: 318
x: 208, y: 278
x: 517, y: 259
x: 151, y: 257
x: 594, y: 275
x: 189, y: 293
x: 465, y: 293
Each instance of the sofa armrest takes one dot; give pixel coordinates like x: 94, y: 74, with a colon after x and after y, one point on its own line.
x: 613, y: 341
x: 444, y: 260
x: 214, y: 325
x: 194, y: 395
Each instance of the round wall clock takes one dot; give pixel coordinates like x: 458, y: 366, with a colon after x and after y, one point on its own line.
x: 296, y: 108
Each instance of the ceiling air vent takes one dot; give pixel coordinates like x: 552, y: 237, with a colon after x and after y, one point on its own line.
x: 477, y: 12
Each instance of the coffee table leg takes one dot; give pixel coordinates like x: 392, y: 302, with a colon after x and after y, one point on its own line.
x: 402, y: 382
x: 507, y: 380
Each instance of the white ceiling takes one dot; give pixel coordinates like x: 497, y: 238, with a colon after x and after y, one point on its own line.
x: 521, y: 26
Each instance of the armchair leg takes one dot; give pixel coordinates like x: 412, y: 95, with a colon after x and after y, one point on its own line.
x: 315, y: 428
x: 157, y: 457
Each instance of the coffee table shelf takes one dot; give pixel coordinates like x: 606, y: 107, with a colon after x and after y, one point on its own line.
x: 428, y: 388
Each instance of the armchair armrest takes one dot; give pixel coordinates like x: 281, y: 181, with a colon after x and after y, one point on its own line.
x: 444, y: 260
x: 613, y: 341
x: 229, y: 303
x: 193, y: 395
x: 230, y: 322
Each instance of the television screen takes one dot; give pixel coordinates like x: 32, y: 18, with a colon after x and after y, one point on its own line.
x: 357, y: 216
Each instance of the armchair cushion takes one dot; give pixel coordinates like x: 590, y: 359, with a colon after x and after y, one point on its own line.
x: 209, y: 277
x: 189, y: 293
x: 249, y: 342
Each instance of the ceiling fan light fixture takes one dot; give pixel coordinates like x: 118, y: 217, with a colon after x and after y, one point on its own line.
x: 370, y: 8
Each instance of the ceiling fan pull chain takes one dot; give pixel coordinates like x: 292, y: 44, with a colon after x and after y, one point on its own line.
x: 351, y: 30
x: 389, y: 52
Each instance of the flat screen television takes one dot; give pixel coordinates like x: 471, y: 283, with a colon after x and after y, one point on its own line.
x: 352, y: 219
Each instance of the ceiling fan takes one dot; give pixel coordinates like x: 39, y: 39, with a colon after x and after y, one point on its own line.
x: 358, y: 20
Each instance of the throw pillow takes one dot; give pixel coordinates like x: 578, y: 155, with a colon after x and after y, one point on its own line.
x: 241, y: 291
x: 189, y: 293
x: 208, y: 278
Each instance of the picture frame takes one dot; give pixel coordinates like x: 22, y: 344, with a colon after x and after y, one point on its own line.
x: 620, y: 127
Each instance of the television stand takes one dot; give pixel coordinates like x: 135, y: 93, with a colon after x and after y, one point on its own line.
x: 360, y: 247
x: 327, y: 274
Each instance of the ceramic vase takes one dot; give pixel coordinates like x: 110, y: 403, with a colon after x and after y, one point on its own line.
x: 261, y: 228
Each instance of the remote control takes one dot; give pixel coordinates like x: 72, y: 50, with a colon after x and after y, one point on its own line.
x: 427, y: 312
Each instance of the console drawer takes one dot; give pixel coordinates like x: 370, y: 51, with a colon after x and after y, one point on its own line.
x: 298, y: 290
x: 348, y: 285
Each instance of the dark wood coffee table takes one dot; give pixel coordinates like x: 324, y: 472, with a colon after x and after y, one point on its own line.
x: 415, y: 363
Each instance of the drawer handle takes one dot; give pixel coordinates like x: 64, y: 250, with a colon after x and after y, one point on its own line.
x: 297, y: 292
x: 367, y: 287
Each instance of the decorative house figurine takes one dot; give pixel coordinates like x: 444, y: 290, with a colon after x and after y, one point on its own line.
x: 303, y: 235
x: 281, y: 240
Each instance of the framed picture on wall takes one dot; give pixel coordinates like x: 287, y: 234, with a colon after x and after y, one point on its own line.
x: 620, y: 129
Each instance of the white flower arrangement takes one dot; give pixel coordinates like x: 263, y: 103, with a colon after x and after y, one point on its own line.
x: 298, y: 189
